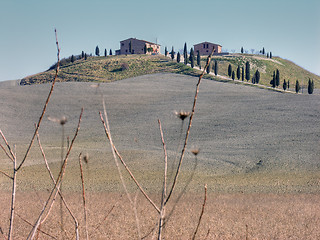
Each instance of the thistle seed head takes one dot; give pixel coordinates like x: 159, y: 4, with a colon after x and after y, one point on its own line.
x: 182, y: 114
x: 195, y: 151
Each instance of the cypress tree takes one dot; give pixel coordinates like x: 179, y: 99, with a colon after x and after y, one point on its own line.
x: 97, y: 51
x: 82, y: 54
x: 172, y: 53
x: 267, y: 55
x: 229, y: 70
x: 288, y: 84
x: 216, y: 68
x: 284, y: 85
x: 209, y: 68
x: 145, y: 49
x: 297, y: 86
x: 110, y: 52
x: 257, y: 76
x: 241, y: 49
x: 242, y: 75
x: 273, y: 81
x: 85, y: 56
x: 247, y: 71
x: 199, y: 60
x: 166, y: 51
x: 270, y: 55
x: 233, y: 75
x: 310, y: 86
x: 263, y: 51
x: 253, y: 80
x: 185, y: 53
x: 277, y: 78
x: 238, y: 72
x: 178, y: 57
x: 105, y: 52
x: 192, y: 57
x: 72, y: 58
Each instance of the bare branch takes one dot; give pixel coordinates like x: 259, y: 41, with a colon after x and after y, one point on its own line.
x: 13, y: 195
x: 5, y: 151
x: 127, y: 168
x: 7, y: 175
x: 164, y: 189
x: 202, y: 211
x: 45, y: 105
x: 8, y: 146
x: 189, y: 127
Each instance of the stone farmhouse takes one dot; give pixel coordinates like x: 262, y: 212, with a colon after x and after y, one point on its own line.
x: 205, y: 48
x: 136, y: 46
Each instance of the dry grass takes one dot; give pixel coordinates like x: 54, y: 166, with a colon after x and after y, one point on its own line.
x: 268, y: 216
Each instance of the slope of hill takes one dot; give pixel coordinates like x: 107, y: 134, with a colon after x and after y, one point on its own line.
x: 112, y: 68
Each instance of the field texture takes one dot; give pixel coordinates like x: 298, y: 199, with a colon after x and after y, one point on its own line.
x: 259, y: 156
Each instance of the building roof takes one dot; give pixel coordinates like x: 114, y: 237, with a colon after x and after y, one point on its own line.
x: 206, y: 43
x: 141, y: 41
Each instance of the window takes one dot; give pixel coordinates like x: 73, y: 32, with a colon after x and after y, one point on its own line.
x: 204, y: 45
x: 207, y: 45
x: 122, y: 44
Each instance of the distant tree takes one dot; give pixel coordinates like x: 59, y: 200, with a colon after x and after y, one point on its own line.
x: 253, y: 80
x: 185, y: 53
x: 85, y: 56
x: 110, y: 52
x: 209, y: 68
x: 263, y: 51
x: 72, y: 58
x: 82, y: 54
x: 216, y: 67
x: 241, y: 49
x: 229, y: 70
x: 284, y: 85
x: 252, y: 50
x: 270, y: 55
x: 172, y: 54
x: 178, y: 57
x: 277, y: 78
x: 247, y: 71
x: 145, y: 49
x: 238, y: 72
x: 288, y: 84
x: 297, y: 86
x: 233, y: 75
x: 199, y: 60
x: 130, y: 47
x: 267, y: 55
x: 273, y: 81
x: 257, y: 76
x: 242, y: 73
x: 105, y: 52
x: 165, y: 51
x: 97, y: 51
x: 310, y: 86
x: 191, y: 57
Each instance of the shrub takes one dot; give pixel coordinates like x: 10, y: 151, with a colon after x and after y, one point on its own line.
x: 124, y: 66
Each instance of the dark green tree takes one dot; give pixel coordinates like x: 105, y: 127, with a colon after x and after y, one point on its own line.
x: 288, y: 84
x: 267, y: 55
x: 257, y: 76
x: 263, y: 51
x: 85, y: 56
x: 297, y: 86
x: 284, y: 85
x: 105, y: 52
x: 270, y: 55
x: 172, y: 54
x: 238, y: 72
x: 209, y: 68
x: 310, y: 86
x: 191, y: 57
x: 72, y: 58
x: 229, y: 70
x: 273, y: 81
x: 242, y: 73
x: 199, y: 60
x: 178, y: 57
x: 145, y: 49
x: 82, y: 54
x: 241, y: 49
x: 185, y: 53
x: 97, y: 51
x: 277, y: 78
x: 165, y: 51
x: 110, y: 52
x: 233, y: 75
x: 247, y: 71
x: 253, y: 80
x: 216, y: 67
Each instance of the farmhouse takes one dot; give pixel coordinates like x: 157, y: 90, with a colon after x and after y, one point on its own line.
x: 136, y: 46
x: 205, y: 48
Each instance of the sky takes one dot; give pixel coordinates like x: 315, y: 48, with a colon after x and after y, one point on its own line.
x: 288, y: 28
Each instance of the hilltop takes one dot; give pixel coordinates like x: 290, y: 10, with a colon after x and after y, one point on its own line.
x: 113, y: 68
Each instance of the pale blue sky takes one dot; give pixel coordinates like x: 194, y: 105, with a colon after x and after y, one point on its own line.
x: 288, y: 28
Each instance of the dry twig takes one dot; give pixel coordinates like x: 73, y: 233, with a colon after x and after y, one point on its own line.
x: 83, y: 198
x: 202, y: 211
